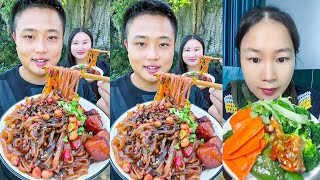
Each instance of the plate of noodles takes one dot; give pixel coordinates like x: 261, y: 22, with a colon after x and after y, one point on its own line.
x: 157, y: 144
x: 45, y: 128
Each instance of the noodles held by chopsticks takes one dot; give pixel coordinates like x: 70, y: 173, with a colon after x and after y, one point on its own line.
x: 175, y: 87
x: 62, y: 79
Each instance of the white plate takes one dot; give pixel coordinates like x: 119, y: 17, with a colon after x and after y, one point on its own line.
x: 205, y: 175
x: 93, y: 67
x: 306, y: 176
x: 94, y: 169
x: 206, y: 74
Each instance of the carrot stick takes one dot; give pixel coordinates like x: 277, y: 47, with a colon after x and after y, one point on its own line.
x: 245, y: 132
x: 235, y: 169
x: 245, y: 122
x: 253, y: 156
x: 251, y: 146
x: 241, y: 115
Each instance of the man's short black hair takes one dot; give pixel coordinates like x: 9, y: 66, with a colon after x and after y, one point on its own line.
x: 21, y: 5
x: 149, y: 7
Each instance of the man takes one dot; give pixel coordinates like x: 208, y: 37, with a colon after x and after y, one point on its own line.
x: 150, y: 50
x: 38, y: 31
x: 150, y: 29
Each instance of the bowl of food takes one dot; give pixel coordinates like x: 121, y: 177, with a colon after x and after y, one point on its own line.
x: 271, y: 139
x: 84, y: 68
x: 197, y: 76
x: 43, y: 137
x: 154, y: 140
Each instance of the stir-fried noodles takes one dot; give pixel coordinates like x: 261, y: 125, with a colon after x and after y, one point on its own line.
x: 164, y: 139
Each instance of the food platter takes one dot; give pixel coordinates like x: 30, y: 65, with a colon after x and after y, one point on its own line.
x: 307, y: 175
x: 207, y: 174
x: 94, y: 169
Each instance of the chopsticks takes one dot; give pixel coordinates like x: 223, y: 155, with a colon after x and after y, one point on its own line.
x: 207, y: 84
x: 95, y: 77
x: 102, y: 51
x: 210, y: 57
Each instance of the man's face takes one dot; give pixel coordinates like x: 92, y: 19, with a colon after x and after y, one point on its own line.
x: 150, y: 45
x: 39, y: 40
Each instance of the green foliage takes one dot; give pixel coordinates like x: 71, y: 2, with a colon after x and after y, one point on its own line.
x: 5, y: 15
x: 119, y: 63
x: 177, y: 4
x: 119, y: 7
x: 214, y: 4
x: 64, y: 2
x: 5, y: 10
x: 8, y: 56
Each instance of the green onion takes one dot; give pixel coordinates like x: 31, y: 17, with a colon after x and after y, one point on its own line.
x: 80, y: 130
x: 192, y: 137
x: 177, y: 146
x: 72, y: 127
x: 65, y: 139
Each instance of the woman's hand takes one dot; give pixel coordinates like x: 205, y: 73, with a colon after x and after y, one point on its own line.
x: 216, y: 109
x: 104, y: 91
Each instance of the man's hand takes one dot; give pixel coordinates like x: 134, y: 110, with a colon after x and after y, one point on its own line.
x: 104, y: 91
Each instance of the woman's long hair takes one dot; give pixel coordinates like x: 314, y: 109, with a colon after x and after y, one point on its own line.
x: 181, y: 64
x: 71, y: 61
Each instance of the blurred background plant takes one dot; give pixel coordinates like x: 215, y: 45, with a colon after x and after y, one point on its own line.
x: 202, y: 17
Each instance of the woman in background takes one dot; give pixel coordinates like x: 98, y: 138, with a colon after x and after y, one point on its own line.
x: 79, y: 43
x: 191, y: 49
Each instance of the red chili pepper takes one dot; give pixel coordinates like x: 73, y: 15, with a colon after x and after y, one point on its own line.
x: 187, y: 151
x: 178, y: 162
x: 75, y: 144
x: 161, y: 107
x: 66, y: 155
x: 49, y: 100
